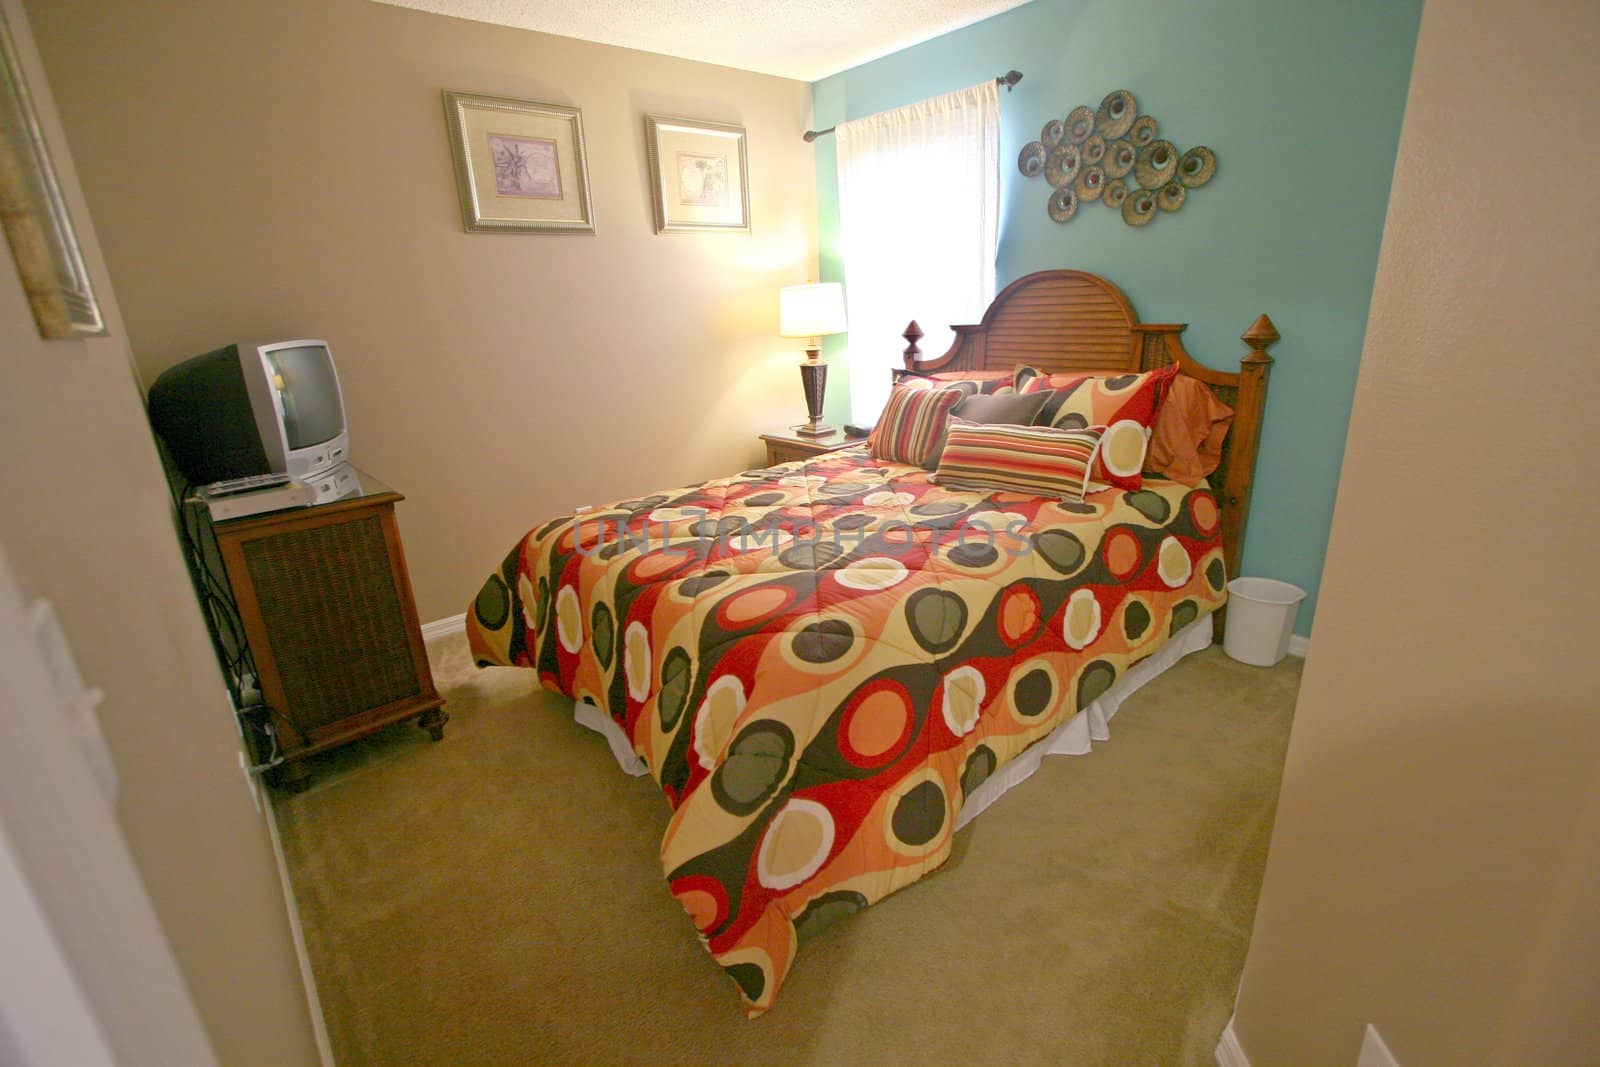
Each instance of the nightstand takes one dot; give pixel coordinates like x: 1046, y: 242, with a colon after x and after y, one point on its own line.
x: 786, y: 447
x: 325, y: 602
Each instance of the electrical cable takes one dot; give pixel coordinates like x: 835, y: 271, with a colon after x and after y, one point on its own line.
x: 224, y: 624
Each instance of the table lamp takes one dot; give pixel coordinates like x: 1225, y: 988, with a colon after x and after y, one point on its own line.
x: 810, y: 311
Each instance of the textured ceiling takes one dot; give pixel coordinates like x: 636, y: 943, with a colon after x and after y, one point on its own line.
x: 803, y: 39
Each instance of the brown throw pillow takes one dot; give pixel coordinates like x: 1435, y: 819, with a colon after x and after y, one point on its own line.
x: 1007, y: 408
x: 1017, y: 409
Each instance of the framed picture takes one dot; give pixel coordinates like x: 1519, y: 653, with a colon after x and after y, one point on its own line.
x: 698, y: 177
x: 34, y: 215
x: 520, y: 166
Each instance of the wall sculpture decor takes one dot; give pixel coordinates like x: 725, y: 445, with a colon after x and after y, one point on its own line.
x: 1112, y: 154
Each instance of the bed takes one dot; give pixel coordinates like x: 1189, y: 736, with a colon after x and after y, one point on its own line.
x: 829, y: 666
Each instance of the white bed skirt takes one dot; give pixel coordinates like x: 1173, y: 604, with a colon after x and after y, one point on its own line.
x: 1075, y: 737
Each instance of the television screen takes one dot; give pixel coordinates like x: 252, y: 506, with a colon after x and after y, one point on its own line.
x: 305, y: 382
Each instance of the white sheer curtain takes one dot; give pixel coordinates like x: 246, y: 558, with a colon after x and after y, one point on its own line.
x: 919, y: 204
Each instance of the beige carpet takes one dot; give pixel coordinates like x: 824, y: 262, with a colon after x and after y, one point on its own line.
x: 496, y: 898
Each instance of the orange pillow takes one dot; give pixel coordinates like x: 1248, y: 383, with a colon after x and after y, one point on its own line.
x: 1186, y: 443
x: 1126, y: 404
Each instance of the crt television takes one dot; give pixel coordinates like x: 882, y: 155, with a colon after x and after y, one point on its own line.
x: 270, y: 407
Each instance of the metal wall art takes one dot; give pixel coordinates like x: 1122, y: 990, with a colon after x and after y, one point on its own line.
x: 1112, y: 154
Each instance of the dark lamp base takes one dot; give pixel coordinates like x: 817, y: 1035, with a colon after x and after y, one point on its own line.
x: 814, y: 376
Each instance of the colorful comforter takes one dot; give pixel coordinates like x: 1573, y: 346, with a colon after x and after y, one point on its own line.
x: 820, y: 661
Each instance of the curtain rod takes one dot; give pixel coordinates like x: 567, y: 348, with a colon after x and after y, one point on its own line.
x: 1009, y: 79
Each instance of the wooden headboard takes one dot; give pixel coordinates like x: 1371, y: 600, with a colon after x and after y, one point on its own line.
x: 1065, y: 320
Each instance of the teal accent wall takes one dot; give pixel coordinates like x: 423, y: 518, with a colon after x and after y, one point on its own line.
x: 1302, y: 103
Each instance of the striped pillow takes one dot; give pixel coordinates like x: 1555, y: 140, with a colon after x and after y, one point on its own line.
x: 1036, y: 460
x: 912, y: 424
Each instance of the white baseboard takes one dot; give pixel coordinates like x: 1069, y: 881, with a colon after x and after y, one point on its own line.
x: 432, y: 631
x: 1229, y: 1052
x: 297, y: 933
x: 1298, y: 646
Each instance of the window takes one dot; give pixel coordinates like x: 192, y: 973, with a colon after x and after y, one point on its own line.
x: 919, y: 196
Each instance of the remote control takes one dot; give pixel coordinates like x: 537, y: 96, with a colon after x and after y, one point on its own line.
x: 230, y: 486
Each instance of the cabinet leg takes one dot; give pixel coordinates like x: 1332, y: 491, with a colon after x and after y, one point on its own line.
x: 291, y: 777
x: 433, y: 721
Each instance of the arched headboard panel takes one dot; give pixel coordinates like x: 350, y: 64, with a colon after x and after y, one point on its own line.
x: 1058, y: 320
x: 1066, y: 320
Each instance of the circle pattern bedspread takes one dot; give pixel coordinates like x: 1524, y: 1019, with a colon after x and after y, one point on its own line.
x: 820, y: 661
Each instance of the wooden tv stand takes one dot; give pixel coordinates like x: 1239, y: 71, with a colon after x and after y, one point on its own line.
x: 326, y: 605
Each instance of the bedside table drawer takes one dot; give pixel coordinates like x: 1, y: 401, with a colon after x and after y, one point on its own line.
x: 785, y: 448
x: 786, y: 453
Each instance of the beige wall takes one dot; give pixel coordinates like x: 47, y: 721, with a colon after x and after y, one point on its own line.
x: 1434, y: 864
x: 87, y: 524
x: 281, y: 167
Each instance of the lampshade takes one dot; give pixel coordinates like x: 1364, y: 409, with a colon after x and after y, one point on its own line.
x: 811, y: 310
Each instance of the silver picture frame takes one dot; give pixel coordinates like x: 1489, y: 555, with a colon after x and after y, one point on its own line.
x: 34, y: 214
x: 520, y: 165
x: 699, y: 175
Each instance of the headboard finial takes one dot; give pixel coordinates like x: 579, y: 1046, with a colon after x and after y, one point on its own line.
x: 912, y: 335
x: 1261, y: 336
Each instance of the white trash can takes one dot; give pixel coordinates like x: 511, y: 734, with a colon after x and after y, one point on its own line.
x: 1260, y: 620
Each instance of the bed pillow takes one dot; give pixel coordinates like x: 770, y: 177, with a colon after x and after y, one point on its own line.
x: 1126, y: 404
x: 1036, y: 460
x: 1005, y: 408
x: 927, y: 383
x: 1015, y: 408
x: 912, y: 425
x: 1186, y: 441
x: 1017, y: 378
x: 968, y: 382
x: 1022, y: 375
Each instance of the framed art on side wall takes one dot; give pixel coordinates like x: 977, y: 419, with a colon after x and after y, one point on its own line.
x: 520, y: 166
x: 698, y: 177
x: 34, y: 214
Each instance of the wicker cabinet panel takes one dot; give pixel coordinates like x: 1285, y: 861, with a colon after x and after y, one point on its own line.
x: 325, y: 602
x: 328, y: 598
